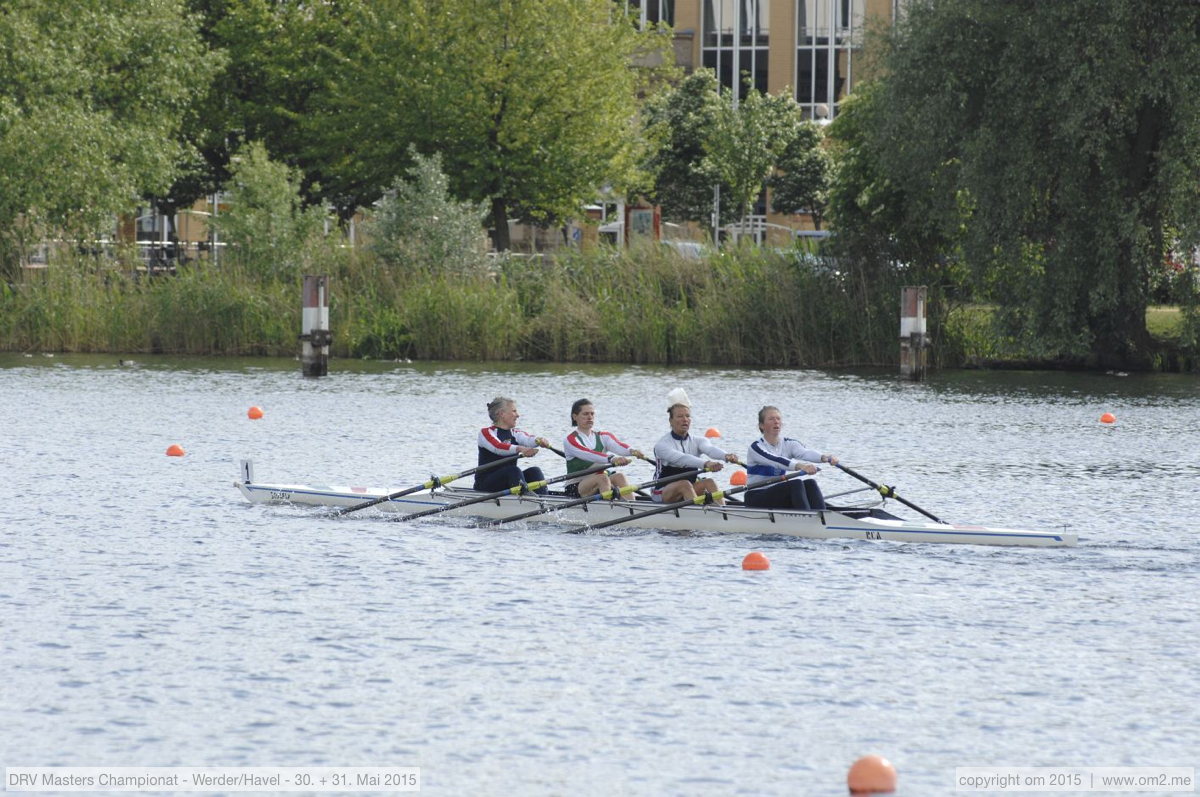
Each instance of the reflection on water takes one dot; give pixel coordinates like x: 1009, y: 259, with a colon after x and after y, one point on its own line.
x: 152, y: 618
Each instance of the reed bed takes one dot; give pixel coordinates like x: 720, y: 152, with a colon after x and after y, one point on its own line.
x: 743, y: 306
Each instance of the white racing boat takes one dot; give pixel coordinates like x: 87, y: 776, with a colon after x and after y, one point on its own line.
x: 861, y: 524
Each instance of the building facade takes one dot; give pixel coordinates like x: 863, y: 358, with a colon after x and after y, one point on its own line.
x: 809, y: 48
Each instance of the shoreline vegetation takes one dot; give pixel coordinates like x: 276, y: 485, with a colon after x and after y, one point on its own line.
x: 645, y: 305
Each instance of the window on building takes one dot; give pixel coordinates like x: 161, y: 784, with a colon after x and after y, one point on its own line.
x: 828, y: 33
x: 652, y: 12
x: 734, y: 45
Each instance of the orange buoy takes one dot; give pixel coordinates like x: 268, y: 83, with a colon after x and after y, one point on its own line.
x: 175, y: 450
x: 712, y: 432
x: 738, y: 478
x: 254, y: 413
x: 756, y: 561
x: 871, y: 774
x: 1108, y: 417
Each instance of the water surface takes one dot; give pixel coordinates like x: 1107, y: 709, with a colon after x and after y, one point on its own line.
x: 152, y: 618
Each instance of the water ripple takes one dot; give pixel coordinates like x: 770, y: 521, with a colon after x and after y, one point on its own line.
x: 153, y: 617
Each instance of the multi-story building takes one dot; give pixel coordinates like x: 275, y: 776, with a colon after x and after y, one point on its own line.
x: 810, y: 48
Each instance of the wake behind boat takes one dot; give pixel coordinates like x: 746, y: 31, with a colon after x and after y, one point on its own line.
x: 862, y: 524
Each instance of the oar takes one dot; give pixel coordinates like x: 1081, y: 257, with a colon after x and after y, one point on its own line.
x: 434, y: 482
x: 520, y: 488
x: 700, y: 500
x: 643, y: 457
x: 607, y: 495
x: 848, y: 492
x: 624, y: 491
x: 889, y: 492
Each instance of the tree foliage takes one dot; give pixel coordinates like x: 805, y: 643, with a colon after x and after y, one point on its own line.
x: 267, y: 223
x: 801, y: 182
x: 278, y: 57
x: 882, y: 222
x: 681, y: 120
x: 1062, y: 141
x: 92, y: 95
x: 707, y: 140
x: 418, y: 226
x: 748, y: 140
x: 533, y: 104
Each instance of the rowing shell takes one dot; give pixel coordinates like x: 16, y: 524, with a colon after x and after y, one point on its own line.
x: 859, y: 524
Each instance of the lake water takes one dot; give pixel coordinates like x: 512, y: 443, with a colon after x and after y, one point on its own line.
x: 150, y: 617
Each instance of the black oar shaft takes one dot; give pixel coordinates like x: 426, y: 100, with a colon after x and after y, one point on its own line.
x: 699, y: 500
x: 606, y: 495
x: 642, y: 458
x: 517, y: 490
x: 436, y: 481
x: 889, y: 492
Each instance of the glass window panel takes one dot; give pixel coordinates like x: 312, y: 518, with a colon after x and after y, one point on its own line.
x: 760, y: 72
x: 650, y: 12
x: 826, y: 32
x: 746, y: 20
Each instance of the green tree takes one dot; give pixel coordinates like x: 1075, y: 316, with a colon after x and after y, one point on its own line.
x: 371, y: 99
x: 269, y: 228
x: 278, y: 56
x: 92, y: 97
x: 881, y: 222
x: 887, y: 236
x: 801, y: 181
x: 533, y: 104
x: 682, y: 120
x: 1064, y: 139
x: 419, y: 226
x: 747, y: 142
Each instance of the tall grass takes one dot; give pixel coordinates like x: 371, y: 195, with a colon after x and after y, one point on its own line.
x: 742, y: 306
x: 84, y: 305
x: 643, y: 305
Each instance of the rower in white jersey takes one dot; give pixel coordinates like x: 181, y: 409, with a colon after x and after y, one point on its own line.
x: 774, y: 455
x: 586, y: 447
x: 679, y: 452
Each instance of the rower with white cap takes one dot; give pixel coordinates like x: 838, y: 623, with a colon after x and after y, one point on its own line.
x: 680, y: 452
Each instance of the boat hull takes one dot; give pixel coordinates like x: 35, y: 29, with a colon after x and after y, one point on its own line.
x: 738, y: 519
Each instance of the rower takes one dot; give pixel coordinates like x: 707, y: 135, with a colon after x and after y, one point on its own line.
x: 773, y: 455
x: 585, y: 446
x: 503, y: 439
x: 679, y: 452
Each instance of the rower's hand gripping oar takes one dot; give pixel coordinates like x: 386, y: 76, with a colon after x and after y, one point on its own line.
x: 888, y: 492
x: 638, y: 455
x: 520, y: 488
x: 433, y: 483
x: 699, y: 500
x: 606, y: 495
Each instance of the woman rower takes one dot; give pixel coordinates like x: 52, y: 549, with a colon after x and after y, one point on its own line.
x: 774, y: 455
x: 679, y: 452
x: 502, y: 439
x: 585, y: 447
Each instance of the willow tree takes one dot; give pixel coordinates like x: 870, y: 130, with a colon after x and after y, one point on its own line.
x: 92, y: 95
x: 1064, y: 139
